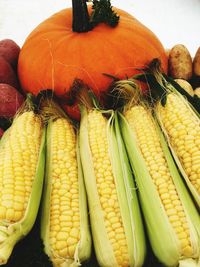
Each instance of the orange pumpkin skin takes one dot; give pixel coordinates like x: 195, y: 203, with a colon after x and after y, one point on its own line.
x: 53, y: 55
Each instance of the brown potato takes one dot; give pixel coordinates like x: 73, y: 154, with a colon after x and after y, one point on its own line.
x: 7, y: 74
x: 196, y: 63
x: 186, y: 86
x: 180, y: 62
x: 10, y: 51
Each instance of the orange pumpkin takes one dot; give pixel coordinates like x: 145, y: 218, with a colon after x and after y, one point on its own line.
x: 53, y: 55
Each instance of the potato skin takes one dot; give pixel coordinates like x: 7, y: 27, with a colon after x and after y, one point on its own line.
x: 10, y: 101
x: 10, y: 51
x: 7, y: 74
x: 196, y: 63
x: 180, y: 62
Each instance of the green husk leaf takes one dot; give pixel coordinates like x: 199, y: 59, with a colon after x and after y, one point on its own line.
x: 133, y: 226
x: 84, y: 247
x: 20, y: 229
x: 46, y: 195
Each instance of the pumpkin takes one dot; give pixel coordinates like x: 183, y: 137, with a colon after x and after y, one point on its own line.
x: 53, y: 55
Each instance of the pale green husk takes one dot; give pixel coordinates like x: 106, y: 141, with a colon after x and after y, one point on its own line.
x: 132, y: 200
x: 12, y: 233
x: 162, y: 237
x: 83, y: 250
x: 126, y: 196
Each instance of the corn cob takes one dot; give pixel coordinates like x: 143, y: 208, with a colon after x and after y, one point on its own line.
x: 165, y: 201
x: 64, y: 221
x: 180, y: 122
x: 21, y: 179
x: 113, y: 206
x: 181, y: 126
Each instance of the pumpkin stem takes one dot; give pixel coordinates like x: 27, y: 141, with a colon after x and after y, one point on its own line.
x: 81, y: 19
x: 103, y: 12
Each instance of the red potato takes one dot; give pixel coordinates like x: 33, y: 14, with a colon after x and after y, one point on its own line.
x: 10, y: 51
x: 1, y: 132
x: 10, y: 100
x: 7, y: 74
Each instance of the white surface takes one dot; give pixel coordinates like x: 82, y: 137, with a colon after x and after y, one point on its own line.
x: 173, y: 21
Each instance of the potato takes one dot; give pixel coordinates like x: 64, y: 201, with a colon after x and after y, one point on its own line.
x: 180, y: 62
x: 197, y: 91
x: 10, y: 51
x: 196, y: 63
x: 7, y: 74
x: 10, y: 101
x: 186, y: 86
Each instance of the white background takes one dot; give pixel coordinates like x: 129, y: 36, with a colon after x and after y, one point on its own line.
x: 173, y: 21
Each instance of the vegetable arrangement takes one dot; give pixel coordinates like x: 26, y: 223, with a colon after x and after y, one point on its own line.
x: 116, y: 181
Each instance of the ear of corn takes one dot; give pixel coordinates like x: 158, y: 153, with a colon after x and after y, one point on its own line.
x: 64, y: 221
x: 181, y: 126
x: 171, y: 218
x: 179, y: 117
x: 113, y: 207
x: 22, y: 158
